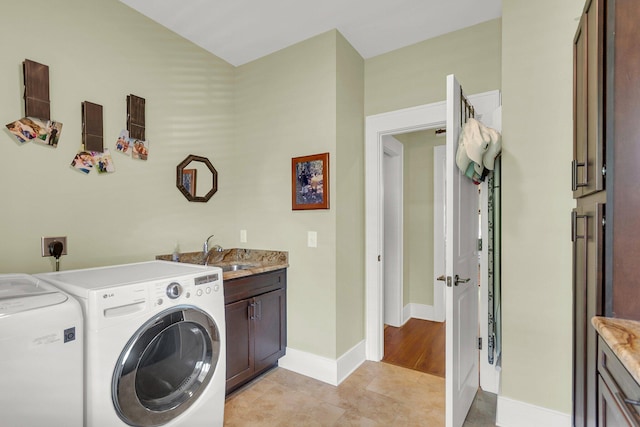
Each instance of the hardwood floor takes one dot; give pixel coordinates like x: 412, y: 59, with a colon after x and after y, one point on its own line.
x: 418, y: 345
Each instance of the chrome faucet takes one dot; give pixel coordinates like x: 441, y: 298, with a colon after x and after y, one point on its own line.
x: 205, y: 247
x: 205, y: 250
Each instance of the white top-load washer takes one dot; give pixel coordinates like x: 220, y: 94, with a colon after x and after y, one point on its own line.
x: 154, y: 343
x: 40, y: 354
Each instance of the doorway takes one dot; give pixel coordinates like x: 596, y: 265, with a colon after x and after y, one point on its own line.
x: 377, y: 126
x: 413, y: 174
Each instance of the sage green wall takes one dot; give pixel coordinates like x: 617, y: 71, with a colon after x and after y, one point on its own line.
x: 416, y: 75
x: 249, y: 121
x: 303, y: 100
x: 349, y: 200
x: 418, y: 270
x: 101, y: 51
x: 536, y: 200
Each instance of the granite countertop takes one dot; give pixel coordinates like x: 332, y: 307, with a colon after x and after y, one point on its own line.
x: 623, y: 336
x: 255, y: 260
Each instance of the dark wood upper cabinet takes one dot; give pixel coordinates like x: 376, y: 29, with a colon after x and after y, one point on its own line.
x: 587, y: 167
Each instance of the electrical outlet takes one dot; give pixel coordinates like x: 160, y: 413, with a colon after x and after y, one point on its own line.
x: 243, y: 236
x: 47, y: 240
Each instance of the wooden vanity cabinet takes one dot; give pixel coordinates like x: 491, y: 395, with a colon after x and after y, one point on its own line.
x: 256, y: 325
x: 618, y: 392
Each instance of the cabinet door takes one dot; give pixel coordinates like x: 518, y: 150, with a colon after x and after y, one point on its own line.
x: 239, y: 343
x: 609, y: 410
x: 270, y: 328
x: 588, y: 141
x: 588, y: 254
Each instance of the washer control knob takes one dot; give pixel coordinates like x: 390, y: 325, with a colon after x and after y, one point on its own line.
x: 174, y: 290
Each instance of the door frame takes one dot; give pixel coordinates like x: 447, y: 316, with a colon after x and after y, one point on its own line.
x: 376, y: 127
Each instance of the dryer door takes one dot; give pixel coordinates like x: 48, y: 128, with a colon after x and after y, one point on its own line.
x: 166, y: 366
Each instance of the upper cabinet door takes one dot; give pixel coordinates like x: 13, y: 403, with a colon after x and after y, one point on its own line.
x: 588, y: 165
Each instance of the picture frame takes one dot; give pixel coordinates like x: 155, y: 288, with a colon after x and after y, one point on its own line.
x: 310, y: 182
x: 189, y: 180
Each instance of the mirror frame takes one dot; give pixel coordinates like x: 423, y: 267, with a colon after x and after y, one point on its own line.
x: 179, y: 170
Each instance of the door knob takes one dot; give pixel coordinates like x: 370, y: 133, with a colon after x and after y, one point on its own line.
x: 459, y: 280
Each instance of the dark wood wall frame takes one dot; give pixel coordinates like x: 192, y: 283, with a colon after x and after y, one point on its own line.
x: 136, y: 117
x: 180, y: 183
x: 304, y: 195
x: 92, y: 130
x: 36, y: 90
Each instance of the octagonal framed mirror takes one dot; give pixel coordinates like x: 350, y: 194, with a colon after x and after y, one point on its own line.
x: 196, y: 178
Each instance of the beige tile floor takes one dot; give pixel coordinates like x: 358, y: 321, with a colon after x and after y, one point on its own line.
x: 376, y: 394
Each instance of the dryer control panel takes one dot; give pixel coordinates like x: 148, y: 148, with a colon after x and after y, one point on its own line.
x: 188, y: 289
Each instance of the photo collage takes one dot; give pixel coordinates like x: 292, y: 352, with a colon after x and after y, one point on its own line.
x: 47, y: 132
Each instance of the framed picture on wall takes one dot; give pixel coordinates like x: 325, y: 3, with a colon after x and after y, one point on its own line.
x: 310, y: 182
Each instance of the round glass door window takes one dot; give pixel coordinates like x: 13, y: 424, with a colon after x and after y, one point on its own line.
x: 166, y: 366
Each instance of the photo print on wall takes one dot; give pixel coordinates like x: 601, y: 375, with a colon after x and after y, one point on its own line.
x: 137, y: 148
x: 45, y: 132
x: 84, y: 161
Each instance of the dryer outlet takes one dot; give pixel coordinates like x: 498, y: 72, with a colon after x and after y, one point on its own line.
x: 46, y: 241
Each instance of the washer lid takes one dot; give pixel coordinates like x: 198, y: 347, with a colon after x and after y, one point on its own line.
x: 21, y: 292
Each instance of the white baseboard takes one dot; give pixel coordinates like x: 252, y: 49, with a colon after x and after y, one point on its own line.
x: 421, y: 311
x: 513, y: 413
x: 349, y: 361
x: 321, y: 368
x: 406, y: 313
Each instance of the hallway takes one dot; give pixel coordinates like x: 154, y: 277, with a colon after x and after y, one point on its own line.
x: 418, y: 344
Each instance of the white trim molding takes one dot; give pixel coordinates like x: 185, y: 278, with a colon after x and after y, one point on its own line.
x: 513, y: 413
x: 422, y: 311
x: 330, y: 371
x: 376, y: 126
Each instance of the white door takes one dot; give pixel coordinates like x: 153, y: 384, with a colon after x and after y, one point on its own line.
x: 461, y: 269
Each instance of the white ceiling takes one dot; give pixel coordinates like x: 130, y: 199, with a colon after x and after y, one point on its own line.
x: 240, y: 31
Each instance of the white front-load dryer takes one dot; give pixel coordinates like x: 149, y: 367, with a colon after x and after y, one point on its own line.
x: 154, y: 343
x: 40, y: 354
